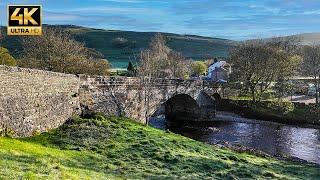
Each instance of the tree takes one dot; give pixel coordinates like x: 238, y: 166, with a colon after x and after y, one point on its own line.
x: 159, y: 52
x: 178, y: 65
x: 311, y: 65
x: 130, y: 69
x: 1, y: 37
x: 291, y: 46
x: 56, y: 51
x: 130, y: 66
x: 95, y: 67
x: 258, y: 63
x: 93, y: 54
x: 284, y: 83
x: 6, y: 58
x: 199, y: 68
x: 158, y: 61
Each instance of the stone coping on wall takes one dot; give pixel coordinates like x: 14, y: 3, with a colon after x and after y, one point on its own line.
x: 38, y: 71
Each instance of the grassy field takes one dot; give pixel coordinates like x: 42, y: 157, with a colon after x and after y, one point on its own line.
x: 118, y: 148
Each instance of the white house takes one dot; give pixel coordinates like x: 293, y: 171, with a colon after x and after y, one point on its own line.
x: 219, y: 71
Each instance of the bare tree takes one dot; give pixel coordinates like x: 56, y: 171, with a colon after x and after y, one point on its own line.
x: 159, y: 61
x: 259, y: 63
x: 178, y: 65
x: 290, y: 44
x: 311, y: 64
x: 147, y: 74
x: 55, y: 50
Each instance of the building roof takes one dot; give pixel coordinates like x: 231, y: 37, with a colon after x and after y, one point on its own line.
x: 218, y: 64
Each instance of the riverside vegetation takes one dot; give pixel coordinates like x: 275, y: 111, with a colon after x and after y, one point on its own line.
x: 118, y: 148
x: 271, y: 110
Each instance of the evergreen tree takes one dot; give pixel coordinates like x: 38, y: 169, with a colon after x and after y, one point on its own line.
x: 130, y: 67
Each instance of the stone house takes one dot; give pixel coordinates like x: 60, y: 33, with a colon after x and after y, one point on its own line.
x: 219, y: 71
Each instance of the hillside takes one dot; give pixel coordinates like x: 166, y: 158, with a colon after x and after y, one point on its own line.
x: 304, y: 38
x: 118, y: 148
x: 309, y: 38
x: 195, y: 47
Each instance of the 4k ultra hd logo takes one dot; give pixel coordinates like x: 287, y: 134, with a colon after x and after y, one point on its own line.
x: 24, y: 20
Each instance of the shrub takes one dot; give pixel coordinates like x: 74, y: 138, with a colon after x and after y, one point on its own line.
x: 282, y: 107
x: 199, y: 68
x: 6, y: 58
x: 36, y: 132
x: 6, y: 132
x: 313, y: 113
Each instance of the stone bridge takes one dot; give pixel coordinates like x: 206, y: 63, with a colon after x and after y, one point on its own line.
x: 34, y: 100
x: 179, y: 100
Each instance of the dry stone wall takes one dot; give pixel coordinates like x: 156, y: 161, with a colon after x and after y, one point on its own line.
x: 34, y: 100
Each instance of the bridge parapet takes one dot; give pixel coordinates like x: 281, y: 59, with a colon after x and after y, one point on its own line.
x: 120, y: 80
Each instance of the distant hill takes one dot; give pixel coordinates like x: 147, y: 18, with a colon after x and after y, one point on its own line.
x: 309, y: 38
x: 305, y: 38
x: 119, y: 47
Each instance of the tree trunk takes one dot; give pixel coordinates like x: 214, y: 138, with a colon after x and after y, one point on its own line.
x: 147, y: 86
x: 253, y: 94
x: 317, y: 89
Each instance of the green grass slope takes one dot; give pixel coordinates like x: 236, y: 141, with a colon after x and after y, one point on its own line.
x: 118, y: 148
x: 195, y: 47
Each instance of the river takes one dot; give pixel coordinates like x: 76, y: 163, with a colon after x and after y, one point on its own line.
x: 271, y: 138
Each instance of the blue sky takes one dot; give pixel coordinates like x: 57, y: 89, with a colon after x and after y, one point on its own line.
x: 232, y: 19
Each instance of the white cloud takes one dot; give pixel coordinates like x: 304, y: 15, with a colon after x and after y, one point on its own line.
x: 311, y: 12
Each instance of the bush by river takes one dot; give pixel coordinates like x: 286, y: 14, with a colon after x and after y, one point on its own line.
x: 283, y: 112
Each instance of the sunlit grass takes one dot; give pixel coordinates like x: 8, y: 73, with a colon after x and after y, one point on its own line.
x: 113, y: 148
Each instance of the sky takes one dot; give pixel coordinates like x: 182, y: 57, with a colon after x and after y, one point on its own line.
x: 231, y: 19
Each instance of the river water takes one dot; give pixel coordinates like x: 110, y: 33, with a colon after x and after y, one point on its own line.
x: 272, y: 138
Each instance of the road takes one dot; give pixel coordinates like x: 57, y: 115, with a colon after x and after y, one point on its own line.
x: 302, y: 98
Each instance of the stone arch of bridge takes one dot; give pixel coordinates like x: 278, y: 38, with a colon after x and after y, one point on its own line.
x: 216, y: 97
x: 184, y: 108
x: 181, y: 108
